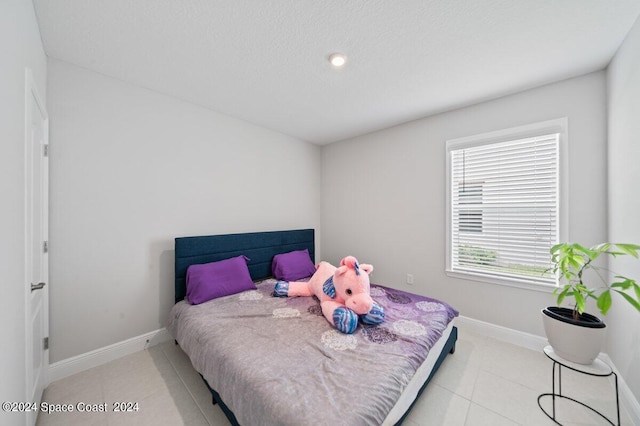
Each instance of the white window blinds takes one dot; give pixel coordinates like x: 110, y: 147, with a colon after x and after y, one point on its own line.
x: 504, y: 208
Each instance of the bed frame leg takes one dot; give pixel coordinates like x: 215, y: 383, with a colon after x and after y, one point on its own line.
x: 213, y: 400
x: 453, y: 349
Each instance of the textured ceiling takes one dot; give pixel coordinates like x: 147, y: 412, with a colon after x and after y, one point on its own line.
x: 266, y: 61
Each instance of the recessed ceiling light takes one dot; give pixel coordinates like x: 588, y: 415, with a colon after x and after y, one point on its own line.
x: 337, y: 60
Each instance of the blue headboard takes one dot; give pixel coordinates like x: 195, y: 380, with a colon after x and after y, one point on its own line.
x: 260, y: 247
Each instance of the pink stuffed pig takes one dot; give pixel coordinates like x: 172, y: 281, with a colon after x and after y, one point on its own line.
x: 344, y: 293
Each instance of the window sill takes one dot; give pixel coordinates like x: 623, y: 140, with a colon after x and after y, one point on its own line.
x: 508, y: 282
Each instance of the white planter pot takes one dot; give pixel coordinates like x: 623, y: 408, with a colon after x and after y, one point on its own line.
x: 573, y: 340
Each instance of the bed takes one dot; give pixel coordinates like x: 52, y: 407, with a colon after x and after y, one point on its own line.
x: 277, y: 361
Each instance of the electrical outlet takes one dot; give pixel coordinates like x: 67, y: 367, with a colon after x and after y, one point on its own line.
x: 410, y: 279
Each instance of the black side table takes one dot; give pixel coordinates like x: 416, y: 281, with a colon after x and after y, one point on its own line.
x: 599, y: 368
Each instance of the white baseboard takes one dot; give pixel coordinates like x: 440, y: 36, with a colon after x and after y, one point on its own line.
x: 537, y: 343
x: 79, y: 363
x: 518, y: 338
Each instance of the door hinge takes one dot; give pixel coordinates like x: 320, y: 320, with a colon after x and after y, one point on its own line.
x: 45, y: 343
x: 46, y: 150
x: 45, y: 246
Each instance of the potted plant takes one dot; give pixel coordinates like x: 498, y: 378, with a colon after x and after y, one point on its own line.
x: 574, y: 334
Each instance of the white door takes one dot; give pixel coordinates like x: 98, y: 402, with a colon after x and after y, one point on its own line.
x: 36, y: 231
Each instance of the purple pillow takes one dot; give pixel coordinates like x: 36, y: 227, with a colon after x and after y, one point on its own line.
x: 216, y: 279
x: 292, y: 266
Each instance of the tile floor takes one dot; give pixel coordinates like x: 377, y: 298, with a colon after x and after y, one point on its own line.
x: 486, y: 382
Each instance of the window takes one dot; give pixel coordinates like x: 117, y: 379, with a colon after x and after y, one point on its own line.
x: 504, y: 204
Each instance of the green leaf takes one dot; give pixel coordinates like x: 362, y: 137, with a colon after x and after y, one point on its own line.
x: 604, y: 302
x: 630, y: 299
x: 556, y: 248
x: 630, y: 249
x: 560, y: 297
x: 581, y: 288
x: 593, y: 254
x: 624, y: 284
x: 575, y: 262
x: 578, y: 247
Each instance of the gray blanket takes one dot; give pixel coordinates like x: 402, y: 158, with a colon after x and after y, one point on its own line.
x: 277, y: 361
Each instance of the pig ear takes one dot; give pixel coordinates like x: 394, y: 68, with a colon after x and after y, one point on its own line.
x: 349, y: 261
x: 367, y: 268
x: 329, y: 289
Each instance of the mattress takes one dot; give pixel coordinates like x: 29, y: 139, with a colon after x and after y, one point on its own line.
x: 278, y: 361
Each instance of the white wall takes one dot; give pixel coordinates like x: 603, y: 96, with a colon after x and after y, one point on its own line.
x: 20, y: 47
x: 623, y: 78
x: 384, y: 195
x: 132, y: 169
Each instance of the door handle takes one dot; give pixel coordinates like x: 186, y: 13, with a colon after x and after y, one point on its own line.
x: 37, y: 286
